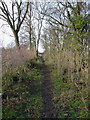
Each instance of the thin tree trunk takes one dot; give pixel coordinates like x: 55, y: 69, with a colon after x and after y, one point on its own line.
x: 37, y: 53
x: 16, y: 39
x: 30, y: 26
x: 30, y: 40
x: 37, y: 45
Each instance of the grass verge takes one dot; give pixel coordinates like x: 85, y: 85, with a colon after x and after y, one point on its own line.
x: 69, y: 102
x: 22, y: 94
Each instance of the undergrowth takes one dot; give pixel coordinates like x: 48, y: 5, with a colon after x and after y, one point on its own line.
x: 23, y: 90
x: 22, y: 93
x: 69, y: 101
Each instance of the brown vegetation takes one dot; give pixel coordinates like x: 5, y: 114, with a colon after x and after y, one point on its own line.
x: 13, y: 57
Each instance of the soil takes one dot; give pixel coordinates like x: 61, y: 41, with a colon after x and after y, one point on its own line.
x: 47, y: 94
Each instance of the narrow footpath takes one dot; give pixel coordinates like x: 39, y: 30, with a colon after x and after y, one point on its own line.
x: 49, y: 111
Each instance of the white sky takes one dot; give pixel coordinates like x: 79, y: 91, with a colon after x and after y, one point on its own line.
x: 7, y: 36
x: 6, y: 33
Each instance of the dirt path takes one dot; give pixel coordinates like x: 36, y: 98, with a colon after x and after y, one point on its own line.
x: 49, y: 111
x: 32, y: 97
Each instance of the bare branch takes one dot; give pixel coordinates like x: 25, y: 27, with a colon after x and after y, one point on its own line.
x: 20, y: 22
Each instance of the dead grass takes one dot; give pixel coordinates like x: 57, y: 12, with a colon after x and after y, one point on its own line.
x: 13, y: 57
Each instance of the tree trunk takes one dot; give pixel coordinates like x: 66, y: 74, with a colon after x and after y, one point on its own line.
x: 30, y: 26
x: 89, y: 71
x: 37, y: 46
x: 30, y: 41
x: 89, y: 59
x: 16, y: 39
x: 37, y: 53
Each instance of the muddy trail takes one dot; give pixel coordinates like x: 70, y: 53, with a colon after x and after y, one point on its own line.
x: 41, y: 93
x: 47, y: 95
x: 32, y: 97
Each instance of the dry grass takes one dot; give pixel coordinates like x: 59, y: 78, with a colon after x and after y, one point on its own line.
x: 13, y: 57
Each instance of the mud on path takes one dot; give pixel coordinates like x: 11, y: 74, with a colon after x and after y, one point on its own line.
x: 32, y: 97
x: 49, y: 110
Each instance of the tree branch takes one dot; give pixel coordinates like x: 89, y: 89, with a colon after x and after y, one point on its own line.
x: 20, y: 22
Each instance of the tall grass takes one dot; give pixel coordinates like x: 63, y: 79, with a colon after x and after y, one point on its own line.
x: 13, y: 57
x: 14, y: 65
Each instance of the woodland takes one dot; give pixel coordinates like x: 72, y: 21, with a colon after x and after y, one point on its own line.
x: 53, y: 82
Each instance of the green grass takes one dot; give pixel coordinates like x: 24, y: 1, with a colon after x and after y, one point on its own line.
x: 24, y: 98
x: 67, y: 100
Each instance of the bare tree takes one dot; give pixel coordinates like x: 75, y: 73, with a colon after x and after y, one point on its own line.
x: 30, y: 27
x: 40, y: 19
x: 14, y: 17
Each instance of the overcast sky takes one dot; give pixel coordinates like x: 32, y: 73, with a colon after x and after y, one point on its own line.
x: 6, y: 33
x: 6, y: 36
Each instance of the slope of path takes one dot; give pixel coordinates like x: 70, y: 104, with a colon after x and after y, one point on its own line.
x: 49, y: 111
